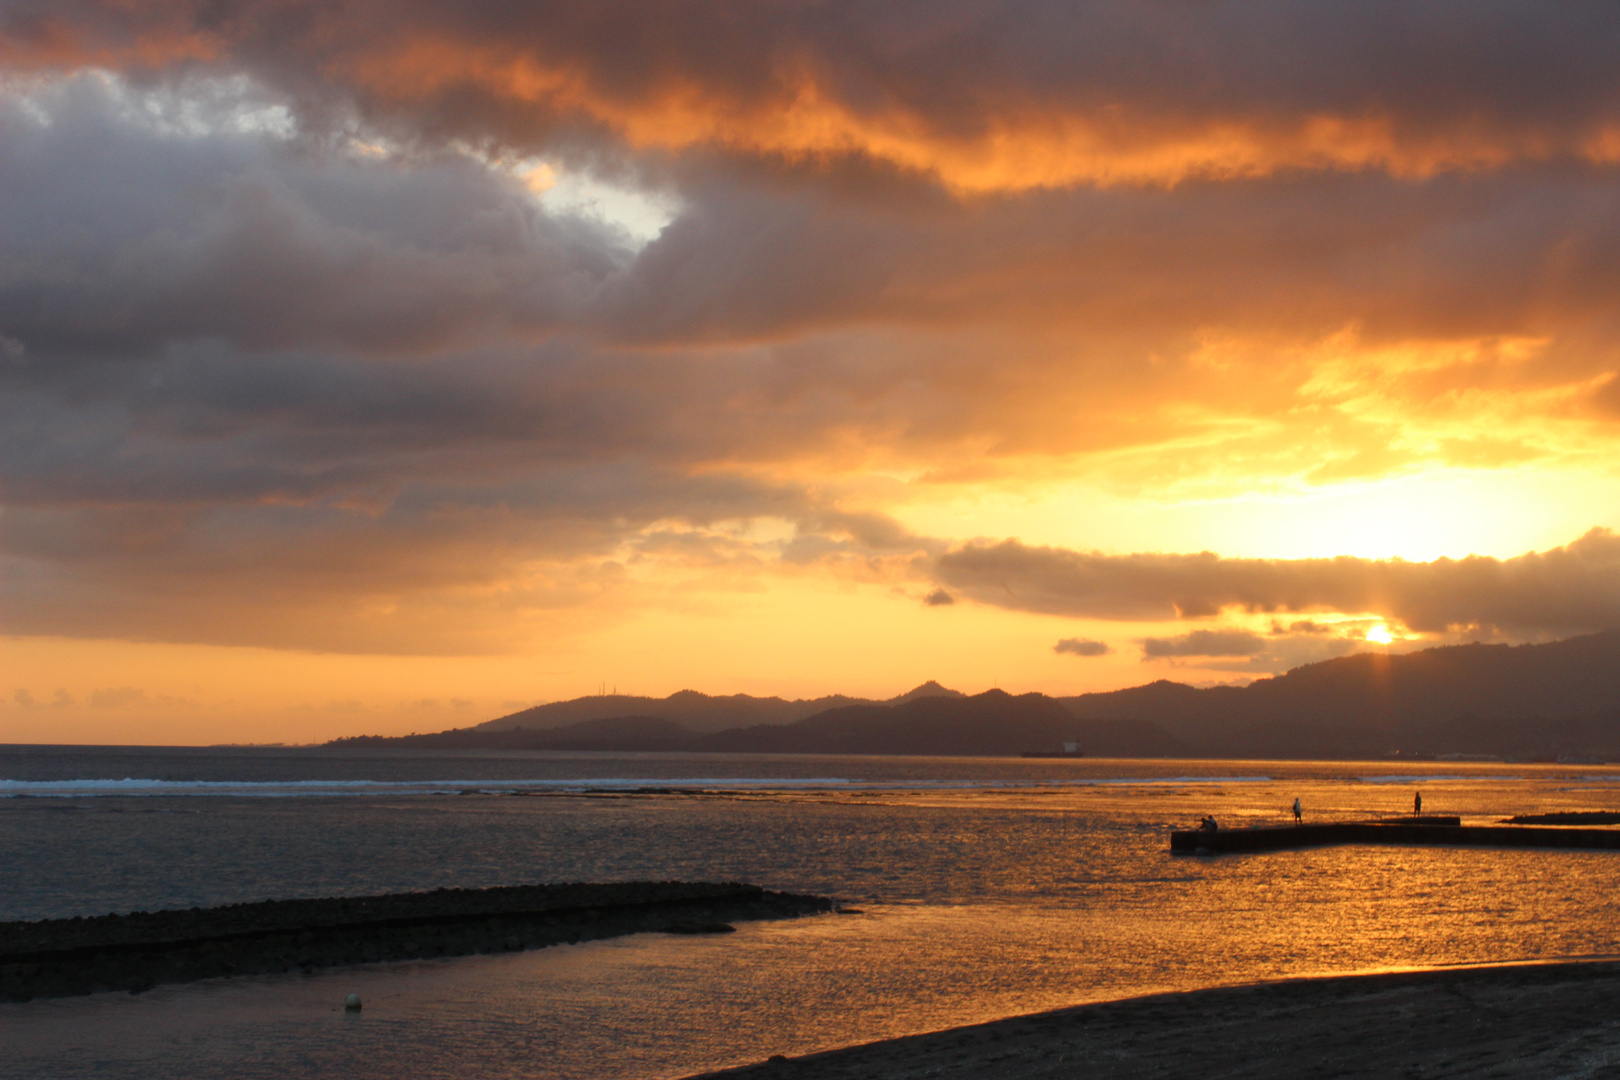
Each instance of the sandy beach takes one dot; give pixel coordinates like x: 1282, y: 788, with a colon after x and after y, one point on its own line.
x: 1522, y: 1020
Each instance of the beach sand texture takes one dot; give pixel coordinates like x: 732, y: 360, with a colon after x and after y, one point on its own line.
x: 1551, y: 1020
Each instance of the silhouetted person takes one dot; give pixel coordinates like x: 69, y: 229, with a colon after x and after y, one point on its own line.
x: 1297, y: 817
x: 1209, y: 824
x: 1417, y: 803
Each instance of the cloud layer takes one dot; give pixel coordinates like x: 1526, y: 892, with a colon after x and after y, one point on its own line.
x: 1082, y: 647
x: 1098, y: 92
x: 293, y: 353
x: 1572, y: 588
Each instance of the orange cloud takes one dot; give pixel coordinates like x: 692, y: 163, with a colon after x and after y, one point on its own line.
x: 51, y: 42
x: 1019, y: 145
x: 1035, y: 95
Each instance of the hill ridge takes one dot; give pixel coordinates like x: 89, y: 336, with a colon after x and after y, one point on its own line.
x: 698, y: 711
x: 1525, y: 701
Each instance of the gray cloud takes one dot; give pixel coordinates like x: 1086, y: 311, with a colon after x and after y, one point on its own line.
x: 1576, y: 587
x: 416, y: 573
x: 1082, y: 647
x: 1241, y: 652
x: 22, y: 698
x: 122, y: 237
x: 1205, y: 643
x: 117, y: 697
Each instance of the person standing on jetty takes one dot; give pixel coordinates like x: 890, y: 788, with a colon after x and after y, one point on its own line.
x: 1417, y: 803
x: 1297, y: 818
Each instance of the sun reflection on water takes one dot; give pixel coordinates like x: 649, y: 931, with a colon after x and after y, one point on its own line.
x: 980, y: 902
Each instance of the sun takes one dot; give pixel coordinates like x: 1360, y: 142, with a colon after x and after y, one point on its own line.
x: 1380, y: 634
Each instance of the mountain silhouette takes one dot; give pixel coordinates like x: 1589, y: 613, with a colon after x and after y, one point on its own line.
x: 1544, y: 700
x: 694, y: 711
x: 926, y: 690
x: 1561, y: 697
x: 992, y: 723
x: 623, y: 733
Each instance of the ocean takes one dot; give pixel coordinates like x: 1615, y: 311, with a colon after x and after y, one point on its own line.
x: 987, y: 887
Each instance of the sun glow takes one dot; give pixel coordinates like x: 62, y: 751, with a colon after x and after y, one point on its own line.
x: 1380, y: 634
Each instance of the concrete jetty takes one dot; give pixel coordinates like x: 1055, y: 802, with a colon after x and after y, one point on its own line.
x: 139, y: 950
x: 1431, y: 830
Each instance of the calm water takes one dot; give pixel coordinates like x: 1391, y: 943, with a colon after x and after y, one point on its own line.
x: 990, y: 887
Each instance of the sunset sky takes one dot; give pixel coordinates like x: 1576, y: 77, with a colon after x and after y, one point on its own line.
x: 374, y: 366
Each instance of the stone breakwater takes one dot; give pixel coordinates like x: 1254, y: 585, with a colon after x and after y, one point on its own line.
x: 134, y: 952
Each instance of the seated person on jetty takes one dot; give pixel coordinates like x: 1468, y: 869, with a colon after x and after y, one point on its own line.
x: 1209, y: 824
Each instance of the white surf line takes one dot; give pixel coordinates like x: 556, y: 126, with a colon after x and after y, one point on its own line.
x: 140, y: 786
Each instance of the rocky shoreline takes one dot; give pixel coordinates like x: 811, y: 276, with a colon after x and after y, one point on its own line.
x: 137, y: 951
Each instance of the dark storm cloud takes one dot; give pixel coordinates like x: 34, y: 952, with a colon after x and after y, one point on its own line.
x: 1576, y: 587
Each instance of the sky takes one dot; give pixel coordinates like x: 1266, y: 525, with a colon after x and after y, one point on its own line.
x: 375, y: 366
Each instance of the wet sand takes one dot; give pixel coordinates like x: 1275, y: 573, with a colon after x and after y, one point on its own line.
x: 1509, y: 1021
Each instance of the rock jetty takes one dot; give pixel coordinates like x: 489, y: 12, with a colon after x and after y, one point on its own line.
x: 134, y: 952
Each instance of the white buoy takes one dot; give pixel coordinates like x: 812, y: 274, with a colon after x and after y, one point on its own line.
x: 352, y: 1003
